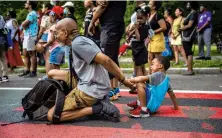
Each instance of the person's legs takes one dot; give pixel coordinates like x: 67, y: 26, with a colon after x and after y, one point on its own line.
x: 33, y: 62
x: 47, y: 64
x: 201, y: 45
x: 58, y: 74
x: 176, y: 54
x: 71, y: 115
x: 207, y: 41
x: 150, y: 58
x: 181, y: 49
x: 188, y: 50
x: 3, y: 67
x: 139, y: 70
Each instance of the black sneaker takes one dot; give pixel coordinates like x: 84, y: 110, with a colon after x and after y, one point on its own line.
x: 1, y: 80
x: 208, y: 58
x: 24, y: 73
x: 5, y: 79
x: 31, y: 75
x: 200, y: 58
x: 109, y: 111
x: 188, y: 73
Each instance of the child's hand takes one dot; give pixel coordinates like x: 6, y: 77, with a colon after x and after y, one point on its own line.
x: 137, y: 25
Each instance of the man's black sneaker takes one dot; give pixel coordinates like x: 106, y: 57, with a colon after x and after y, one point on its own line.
x: 208, y: 58
x: 200, y: 58
x: 24, y: 73
x: 31, y: 75
x: 109, y: 111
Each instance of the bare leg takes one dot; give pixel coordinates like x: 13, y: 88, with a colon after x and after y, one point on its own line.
x: 58, y: 74
x: 150, y: 58
x: 33, y: 60
x: 27, y: 60
x: 47, y: 64
x: 181, y: 49
x: 176, y: 54
x: 190, y: 63
x: 139, y: 70
x: 141, y: 94
x: 71, y: 115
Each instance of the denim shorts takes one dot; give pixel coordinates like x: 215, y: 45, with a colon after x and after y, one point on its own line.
x: 44, y: 37
x: 57, y: 56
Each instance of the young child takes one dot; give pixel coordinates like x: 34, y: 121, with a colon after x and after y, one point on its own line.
x: 152, y: 89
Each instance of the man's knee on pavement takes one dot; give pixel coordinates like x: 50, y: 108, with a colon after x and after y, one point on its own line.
x: 52, y: 73
x: 50, y: 114
x: 140, y: 86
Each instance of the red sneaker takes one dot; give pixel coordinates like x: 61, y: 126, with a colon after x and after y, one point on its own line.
x: 132, y: 105
x: 138, y: 112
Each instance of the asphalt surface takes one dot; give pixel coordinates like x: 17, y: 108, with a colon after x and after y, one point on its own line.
x: 200, y: 115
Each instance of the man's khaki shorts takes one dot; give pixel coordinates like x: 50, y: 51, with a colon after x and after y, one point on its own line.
x: 76, y: 98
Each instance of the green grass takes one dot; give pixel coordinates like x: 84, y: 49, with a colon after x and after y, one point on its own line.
x: 195, y: 49
x: 197, y: 64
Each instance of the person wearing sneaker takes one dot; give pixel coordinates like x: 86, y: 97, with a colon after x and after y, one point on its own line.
x: 91, y: 83
x: 5, y: 44
x: 204, y: 30
x: 30, y: 26
x: 152, y: 89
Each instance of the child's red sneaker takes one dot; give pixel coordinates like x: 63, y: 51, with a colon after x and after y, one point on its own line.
x: 138, y: 112
x: 132, y: 105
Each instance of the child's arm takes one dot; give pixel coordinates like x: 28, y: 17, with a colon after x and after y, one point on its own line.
x: 137, y: 33
x: 173, y: 98
x: 139, y: 79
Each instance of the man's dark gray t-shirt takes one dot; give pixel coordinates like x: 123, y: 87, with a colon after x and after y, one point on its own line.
x: 93, y: 78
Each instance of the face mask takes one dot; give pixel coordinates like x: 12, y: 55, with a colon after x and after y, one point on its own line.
x: 65, y: 11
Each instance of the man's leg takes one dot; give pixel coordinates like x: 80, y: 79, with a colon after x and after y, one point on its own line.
x: 71, y: 115
x: 207, y: 41
x: 201, y: 46
x: 33, y: 62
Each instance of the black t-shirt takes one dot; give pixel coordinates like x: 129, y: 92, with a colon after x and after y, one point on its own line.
x: 193, y: 16
x: 166, y: 33
x: 143, y: 31
x: 113, y: 16
x: 154, y: 21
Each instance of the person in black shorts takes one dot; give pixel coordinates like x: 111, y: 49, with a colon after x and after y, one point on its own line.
x: 139, y: 50
x: 111, y: 17
x: 189, y: 30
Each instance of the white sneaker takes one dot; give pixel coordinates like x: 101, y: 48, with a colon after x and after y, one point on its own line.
x: 5, y: 79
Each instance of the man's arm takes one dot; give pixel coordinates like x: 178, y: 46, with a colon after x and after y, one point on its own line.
x: 25, y: 24
x: 111, y: 67
x: 101, y: 7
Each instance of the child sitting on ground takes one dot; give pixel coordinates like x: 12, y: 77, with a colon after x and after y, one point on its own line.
x: 152, y: 89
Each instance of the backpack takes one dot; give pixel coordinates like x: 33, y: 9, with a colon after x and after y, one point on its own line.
x: 44, y: 95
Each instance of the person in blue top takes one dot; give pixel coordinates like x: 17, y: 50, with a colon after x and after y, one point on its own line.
x: 152, y: 89
x: 30, y: 26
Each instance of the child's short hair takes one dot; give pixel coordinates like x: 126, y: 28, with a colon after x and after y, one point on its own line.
x: 164, y: 61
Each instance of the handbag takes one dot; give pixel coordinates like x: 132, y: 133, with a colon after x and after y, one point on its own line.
x: 188, y: 39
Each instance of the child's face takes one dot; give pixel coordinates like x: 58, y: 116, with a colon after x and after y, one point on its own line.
x: 141, y: 19
x: 156, y: 66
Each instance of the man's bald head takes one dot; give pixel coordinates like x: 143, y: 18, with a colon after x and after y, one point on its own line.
x: 67, y: 23
x: 66, y: 30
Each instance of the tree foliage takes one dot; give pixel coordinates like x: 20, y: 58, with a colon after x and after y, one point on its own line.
x: 213, y: 6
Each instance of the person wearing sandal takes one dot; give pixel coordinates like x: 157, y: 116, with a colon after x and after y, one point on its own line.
x: 188, y: 34
x: 176, y: 41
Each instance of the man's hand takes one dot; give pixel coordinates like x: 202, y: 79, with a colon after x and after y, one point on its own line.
x: 199, y: 30
x: 128, y: 84
x: 91, y: 29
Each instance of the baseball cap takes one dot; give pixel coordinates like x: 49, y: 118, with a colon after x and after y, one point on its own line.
x: 68, y: 4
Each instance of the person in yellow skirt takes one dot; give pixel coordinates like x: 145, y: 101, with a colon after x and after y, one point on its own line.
x: 157, y: 26
x: 176, y: 41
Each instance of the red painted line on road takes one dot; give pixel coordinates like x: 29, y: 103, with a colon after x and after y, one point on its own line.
x: 66, y: 131
x: 184, y: 95
x: 168, y: 111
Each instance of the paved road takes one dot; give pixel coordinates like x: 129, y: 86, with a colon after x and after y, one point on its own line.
x: 200, y: 115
